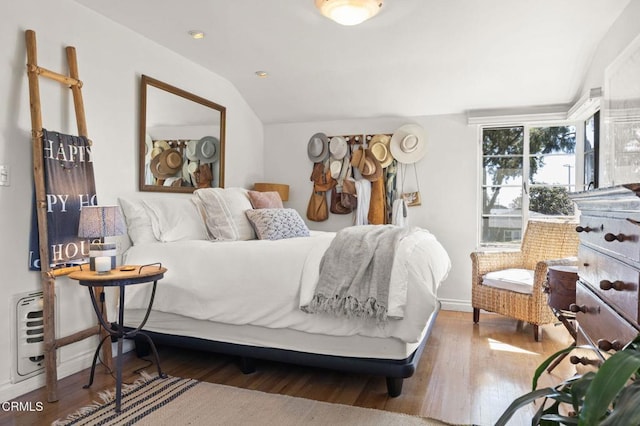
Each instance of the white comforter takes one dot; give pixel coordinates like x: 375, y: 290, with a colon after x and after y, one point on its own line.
x: 264, y: 283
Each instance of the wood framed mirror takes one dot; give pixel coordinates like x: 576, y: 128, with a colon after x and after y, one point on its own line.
x: 182, y: 139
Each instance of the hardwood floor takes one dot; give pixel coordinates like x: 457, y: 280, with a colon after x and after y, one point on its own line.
x: 468, y: 374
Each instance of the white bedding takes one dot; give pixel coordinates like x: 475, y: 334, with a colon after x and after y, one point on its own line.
x: 263, y: 283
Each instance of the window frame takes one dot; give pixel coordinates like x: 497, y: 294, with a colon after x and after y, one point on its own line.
x: 527, y: 125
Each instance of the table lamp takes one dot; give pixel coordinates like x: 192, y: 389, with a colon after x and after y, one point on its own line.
x: 97, y: 222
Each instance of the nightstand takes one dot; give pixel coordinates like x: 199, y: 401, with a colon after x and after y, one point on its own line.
x: 561, y: 288
x: 120, y: 277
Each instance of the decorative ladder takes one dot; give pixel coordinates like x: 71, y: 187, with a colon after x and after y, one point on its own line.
x: 48, y: 276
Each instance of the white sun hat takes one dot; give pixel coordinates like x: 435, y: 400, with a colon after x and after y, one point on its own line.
x: 338, y: 147
x: 408, y: 144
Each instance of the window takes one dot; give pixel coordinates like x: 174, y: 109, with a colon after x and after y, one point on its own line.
x: 527, y: 172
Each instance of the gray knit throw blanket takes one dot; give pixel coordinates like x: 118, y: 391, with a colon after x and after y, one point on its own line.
x: 355, y: 272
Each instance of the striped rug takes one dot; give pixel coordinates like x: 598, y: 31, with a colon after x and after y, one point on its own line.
x: 175, y: 401
x: 139, y: 399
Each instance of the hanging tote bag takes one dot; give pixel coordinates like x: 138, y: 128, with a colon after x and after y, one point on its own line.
x: 318, y: 210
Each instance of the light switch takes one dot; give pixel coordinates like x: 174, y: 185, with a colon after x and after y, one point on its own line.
x: 5, y: 175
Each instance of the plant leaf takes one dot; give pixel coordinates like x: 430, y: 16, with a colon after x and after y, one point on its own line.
x: 522, y: 401
x: 627, y: 408
x: 554, y: 419
x: 542, y: 367
x: 611, y: 377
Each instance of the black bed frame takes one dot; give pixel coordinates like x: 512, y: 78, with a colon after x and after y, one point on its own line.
x: 394, y: 370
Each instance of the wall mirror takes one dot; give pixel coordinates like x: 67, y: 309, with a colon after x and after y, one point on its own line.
x: 182, y: 138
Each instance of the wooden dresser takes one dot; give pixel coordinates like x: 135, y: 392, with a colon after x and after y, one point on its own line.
x: 607, y: 293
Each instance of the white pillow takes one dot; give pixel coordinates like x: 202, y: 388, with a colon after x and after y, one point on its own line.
x: 138, y: 221
x: 175, y: 219
x: 514, y: 279
x: 224, y: 212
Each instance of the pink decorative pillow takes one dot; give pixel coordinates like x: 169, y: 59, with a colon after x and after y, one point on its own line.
x: 265, y: 200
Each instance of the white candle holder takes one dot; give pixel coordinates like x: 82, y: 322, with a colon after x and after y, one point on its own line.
x: 103, y: 264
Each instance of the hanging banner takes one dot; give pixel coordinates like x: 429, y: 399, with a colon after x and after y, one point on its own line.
x: 69, y: 186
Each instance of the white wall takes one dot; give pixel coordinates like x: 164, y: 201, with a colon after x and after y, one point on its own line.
x: 447, y: 174
x: 111, y: 59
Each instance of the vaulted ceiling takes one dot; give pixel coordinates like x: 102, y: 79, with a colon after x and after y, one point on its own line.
x: 416, y: 57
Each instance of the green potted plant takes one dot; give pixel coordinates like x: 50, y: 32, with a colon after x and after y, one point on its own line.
x: 610, y: 396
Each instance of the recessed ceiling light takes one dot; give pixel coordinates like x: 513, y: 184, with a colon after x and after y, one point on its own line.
x: 262, y: 74
x: 196, y: 34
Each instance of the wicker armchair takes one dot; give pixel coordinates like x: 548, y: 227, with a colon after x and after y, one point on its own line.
x: 544, y: 244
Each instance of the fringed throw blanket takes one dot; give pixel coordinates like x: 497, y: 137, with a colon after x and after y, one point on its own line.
x: 355, y: 272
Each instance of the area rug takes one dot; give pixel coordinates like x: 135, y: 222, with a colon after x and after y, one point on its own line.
x: 175, y: 401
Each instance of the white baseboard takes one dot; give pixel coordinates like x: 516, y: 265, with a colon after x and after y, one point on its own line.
x: 456, y: 305
x: 9, y: 391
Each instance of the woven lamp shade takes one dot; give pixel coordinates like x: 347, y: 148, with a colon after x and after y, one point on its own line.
x: 97, y: 222
x: 101, y: 221
x: 280, y: 188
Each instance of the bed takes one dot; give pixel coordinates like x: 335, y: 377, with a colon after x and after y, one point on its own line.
x: 226, y: 291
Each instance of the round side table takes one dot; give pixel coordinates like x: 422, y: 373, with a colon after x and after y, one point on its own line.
x: 120, y: 277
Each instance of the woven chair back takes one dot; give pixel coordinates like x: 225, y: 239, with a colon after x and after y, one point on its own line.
x: 545, y: 240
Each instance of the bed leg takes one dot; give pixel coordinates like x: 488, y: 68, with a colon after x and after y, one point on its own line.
x: 143, y: 348
x: 247, y: 365
x: 394, y: 386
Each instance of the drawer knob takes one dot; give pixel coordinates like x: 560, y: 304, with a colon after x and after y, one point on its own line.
x: 605, y: 345
x: 583, y: 360
x: 578, y: 308
x: 616, y: 285
x: 583, y: 229
x: 612, y: 237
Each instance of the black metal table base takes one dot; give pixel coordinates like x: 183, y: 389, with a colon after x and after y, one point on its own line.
x: 124, y: 336
x: 120, y: 334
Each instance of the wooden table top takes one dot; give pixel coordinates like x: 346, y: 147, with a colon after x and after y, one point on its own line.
x: 122, y: 275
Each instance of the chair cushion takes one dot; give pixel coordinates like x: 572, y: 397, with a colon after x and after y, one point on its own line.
x: 514, y: 279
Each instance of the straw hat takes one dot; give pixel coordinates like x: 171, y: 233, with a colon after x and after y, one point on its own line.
x: 408, y: 143
x: 318, y: 148
x: 162, y: 144
x: 166, y: 164
x: 379, y: 146
x: 367, y: 164
x: 207, y: 150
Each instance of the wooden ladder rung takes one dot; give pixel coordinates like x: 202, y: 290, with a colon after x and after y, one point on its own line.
x: 61, y: 272
x: 77, y: 336
x: 64, y: 79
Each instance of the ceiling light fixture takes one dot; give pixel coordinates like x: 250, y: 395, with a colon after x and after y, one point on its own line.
x: 349, y: 12
x: 262, y: 74
x: 196, y: 34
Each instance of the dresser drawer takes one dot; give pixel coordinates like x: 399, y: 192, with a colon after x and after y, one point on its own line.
x: 599, y: 321
x: 616, y: 235
x: 614, y: 281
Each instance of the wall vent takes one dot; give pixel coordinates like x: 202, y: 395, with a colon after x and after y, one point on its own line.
x: 28, y: 336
